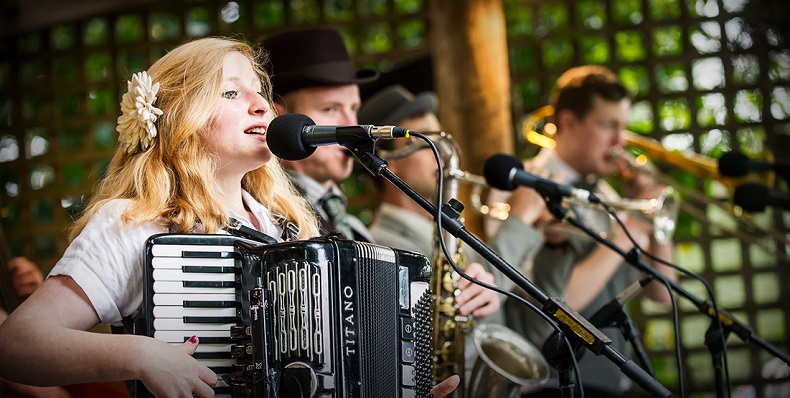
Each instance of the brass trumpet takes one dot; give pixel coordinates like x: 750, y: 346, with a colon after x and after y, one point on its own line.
x: 537, y: 130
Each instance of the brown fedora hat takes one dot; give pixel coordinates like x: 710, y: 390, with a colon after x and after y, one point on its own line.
x: 394, y: 104
x: 311, y: 57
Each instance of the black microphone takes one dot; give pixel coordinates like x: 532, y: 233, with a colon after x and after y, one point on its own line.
x: 736, y: 164
x: 506, y: 172
x: 754, y: 197
x: 294, y: 136
x: 606, y: 314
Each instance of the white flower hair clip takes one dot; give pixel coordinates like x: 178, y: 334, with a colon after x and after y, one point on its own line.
x: 136, y: 126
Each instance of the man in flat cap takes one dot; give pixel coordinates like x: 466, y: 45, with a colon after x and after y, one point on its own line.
x: 312, y: 74
x: 402, y: 223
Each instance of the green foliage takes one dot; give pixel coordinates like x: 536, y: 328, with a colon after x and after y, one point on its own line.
x: 674, y: 114
x: 164, y: 26
x: 705, y: 37
x: 557, y: 53
x: 592, y: 13
x: 630, y: 45
x: 408, y: 6
x: 338, y: 10
x: 130, y: 62
x: 412, y: 33
x: 101, y: 102
x: 664, y: 9
x: 595, y: 50
x: 779, y: 65
x: 745, y: 69
x: 519, y: 22
x: 96, y: 32
x: 199, y: 22
x: 304, y: 11
x: 372, y: 7
x: 627, y: 12
x: 64, y: 37
x: 636, y: 79
x: 671, y: 77
x: 523, y: 58
x: 780, y: 103
x: 29, y: 43
x: 68, y: 105
x: 748, y: 105
x: 129, y: 29
x: 751, y: 140
x: 74, y: 175
x: 641, y: 118
x: 71, y: 138
x: 711, y: 110
x: 667, y: 41
x: 376, y: 40
x: 104, y: 135
x: 64, y: 69
x: 552, y: 18
x: 97, y: 66
x: 528, y: 93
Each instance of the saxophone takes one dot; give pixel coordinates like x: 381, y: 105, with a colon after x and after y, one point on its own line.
x: 505, y: 360
x: 450, y: 328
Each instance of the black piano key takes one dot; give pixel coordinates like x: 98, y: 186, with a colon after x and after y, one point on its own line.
x: 194, y: 254
x: 211, y: 304
x: 207, y: 269
x: 221, y: 369
x: 211, y: 340
x: 209, y: 284
x: 210, y: 355
x: 210, y: 319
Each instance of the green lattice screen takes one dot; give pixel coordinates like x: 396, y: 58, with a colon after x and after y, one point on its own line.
x: 60, y: 88
x: 709, y: 77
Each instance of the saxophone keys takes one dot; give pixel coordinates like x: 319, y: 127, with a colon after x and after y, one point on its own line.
x: 449, y: 281
x: 448, y: 328
x: 446, y: 306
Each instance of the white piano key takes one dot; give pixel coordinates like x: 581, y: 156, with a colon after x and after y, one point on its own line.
x: 218, y: 361
x: 210, y: 347
x: 178, y: 250
x: 178, y: 275
x: 178, y: 287
x: 178, y: 312
x: 178, y: 324
x: 178, y: 299
x: 178, y: 262
x: 178, y: 336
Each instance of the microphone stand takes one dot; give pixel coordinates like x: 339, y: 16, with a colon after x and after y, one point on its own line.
x: 712, y: 338
x: 574, y: 325
x: 616, y: 315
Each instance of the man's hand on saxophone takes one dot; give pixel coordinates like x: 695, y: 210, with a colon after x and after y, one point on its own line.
x: 475, y: 299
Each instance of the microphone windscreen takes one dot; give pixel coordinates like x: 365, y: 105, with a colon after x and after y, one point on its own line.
x: 285, y: 136
x: 497, y: 171
x: 751, y: 196
x: 734, y: 164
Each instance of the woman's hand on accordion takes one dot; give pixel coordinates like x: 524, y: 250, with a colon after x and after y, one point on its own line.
x: 447, y: 386
x: 475, y: 299
x: 174, y: 373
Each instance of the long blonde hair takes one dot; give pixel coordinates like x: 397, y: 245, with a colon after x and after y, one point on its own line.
x: 173, y: 181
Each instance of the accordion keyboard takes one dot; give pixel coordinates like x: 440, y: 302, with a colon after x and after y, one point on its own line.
x: 194, y: 293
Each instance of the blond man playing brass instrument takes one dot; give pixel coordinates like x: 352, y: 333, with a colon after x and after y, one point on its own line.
x: 591, y: 113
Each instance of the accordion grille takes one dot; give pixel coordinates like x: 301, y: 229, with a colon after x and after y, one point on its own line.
x: 379, y: 319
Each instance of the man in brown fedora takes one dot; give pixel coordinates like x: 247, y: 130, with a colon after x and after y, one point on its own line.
x: 312, y: 74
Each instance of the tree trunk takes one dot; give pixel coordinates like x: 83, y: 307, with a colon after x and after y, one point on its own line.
x: 469, y: 47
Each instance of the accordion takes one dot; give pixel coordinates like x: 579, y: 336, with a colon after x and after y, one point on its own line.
x: 316, y: 318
